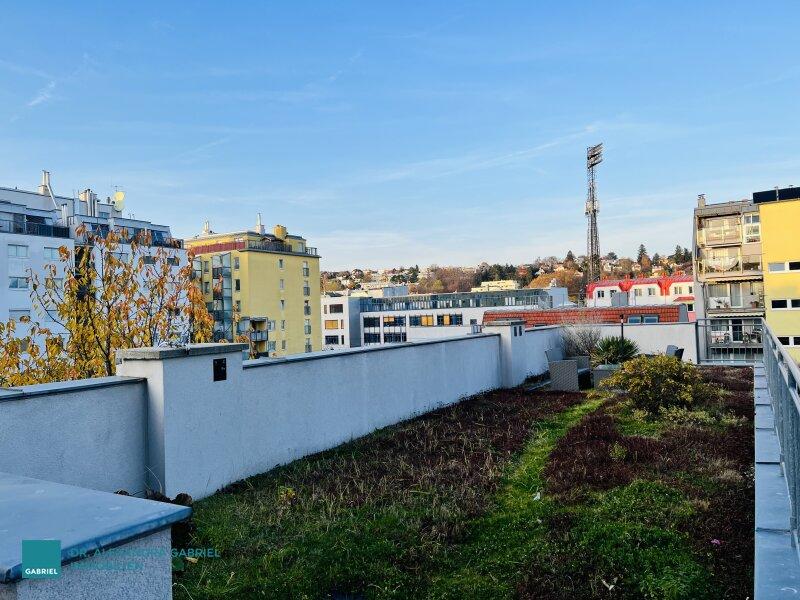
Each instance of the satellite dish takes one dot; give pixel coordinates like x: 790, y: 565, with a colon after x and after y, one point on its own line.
x: 119, y: 200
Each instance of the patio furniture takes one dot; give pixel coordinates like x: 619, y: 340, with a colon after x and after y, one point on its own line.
x: 674, y: 351
x: 565, y: 373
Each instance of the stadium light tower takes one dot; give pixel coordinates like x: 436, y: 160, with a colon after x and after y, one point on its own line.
x: 594, y: 156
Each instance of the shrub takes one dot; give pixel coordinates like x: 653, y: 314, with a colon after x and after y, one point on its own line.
x: 653, y: 383
x: 614, y: 350
x: 580, y: 339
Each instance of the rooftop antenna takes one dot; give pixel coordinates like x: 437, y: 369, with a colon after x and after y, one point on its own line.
x: 594, y: 156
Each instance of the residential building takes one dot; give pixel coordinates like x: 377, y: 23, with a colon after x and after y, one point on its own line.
x: 429, y: 316
x: 779, y: 212
x: 729, y: 283
x: 644, y: 291
x: 632, y: 315
x: 34, y: 225
x: 265, y: 285
x: 497, y: 286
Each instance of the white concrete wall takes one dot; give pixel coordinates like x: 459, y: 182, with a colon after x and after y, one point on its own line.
x: 537, y: 340
x: 88, y: 433
x: 653, y: 338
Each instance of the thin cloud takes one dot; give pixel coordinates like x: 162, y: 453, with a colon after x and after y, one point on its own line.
x: 44, y: 94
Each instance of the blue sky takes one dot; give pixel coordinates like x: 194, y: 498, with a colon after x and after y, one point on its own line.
x: 399, y: 133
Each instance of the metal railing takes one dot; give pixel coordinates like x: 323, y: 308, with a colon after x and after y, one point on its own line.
x: 730, y: 340
x: 31, y: 228
x: 783, y: 380
x: 728, y: 234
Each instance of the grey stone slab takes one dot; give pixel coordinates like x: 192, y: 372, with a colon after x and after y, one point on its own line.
x: 83, y: 520
x: 767, y: 447
x: 772, y: 498
x: 776, y: 570
x: 764, y: 417
x: 763, y: 397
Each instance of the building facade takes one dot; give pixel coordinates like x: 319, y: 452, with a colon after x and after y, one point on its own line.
x: 341, y: 314
x: 264, y: 285
x: 779, y: 212
x: 430, y: 316
x: 729, y: 283
x: 630, y: 315
x: 644, y: 291
x: 34, y: 225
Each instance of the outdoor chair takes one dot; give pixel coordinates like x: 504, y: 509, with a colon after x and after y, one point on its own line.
x: 565, y: 373
x: 674, y: 351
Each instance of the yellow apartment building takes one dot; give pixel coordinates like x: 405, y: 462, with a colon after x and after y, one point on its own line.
x: 780, y: 247
x: 265, y: 285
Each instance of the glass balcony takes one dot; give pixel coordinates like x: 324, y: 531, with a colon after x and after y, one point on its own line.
x: 717, y: 236
x: 730, y: 265
x: 31, y: 228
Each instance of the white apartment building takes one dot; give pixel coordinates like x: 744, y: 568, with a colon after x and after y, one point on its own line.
x: 644, y: 291
x: 341, y: 314
x: 35, y: 224
x: 430, y: 316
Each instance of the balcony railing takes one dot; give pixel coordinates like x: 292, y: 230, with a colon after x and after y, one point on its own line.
x: 278, y: 247
x: 742, y: 264
x: 728, y: 303
x: 716, y: 236
x: 730, y: 340
x: 30, y: 228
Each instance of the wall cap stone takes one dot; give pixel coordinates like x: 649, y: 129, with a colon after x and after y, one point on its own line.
x: 181, y: 352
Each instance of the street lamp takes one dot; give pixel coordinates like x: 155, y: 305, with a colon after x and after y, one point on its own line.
x: 622, y: 326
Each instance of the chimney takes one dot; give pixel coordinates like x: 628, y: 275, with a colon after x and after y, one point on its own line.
x: 701, y: 201
x: 259, y: 225
x: 206, y: 228
x: 44, y: 187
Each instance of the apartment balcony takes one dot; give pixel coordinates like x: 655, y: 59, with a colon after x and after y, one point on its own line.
x: 730, y: 266
x: 720, y: 236
x: 278, y: 247
x: 30, y: 228
x: 728, y: 303
x: 259, y: 336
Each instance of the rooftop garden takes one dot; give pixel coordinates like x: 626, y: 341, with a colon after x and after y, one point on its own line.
x: 510, y: 494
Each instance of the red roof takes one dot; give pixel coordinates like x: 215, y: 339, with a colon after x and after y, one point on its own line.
x: 667, y: 313
x: 627, y: 284
x: 684, y: 298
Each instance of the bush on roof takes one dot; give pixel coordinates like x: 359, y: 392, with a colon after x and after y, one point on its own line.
x: 655, y: 382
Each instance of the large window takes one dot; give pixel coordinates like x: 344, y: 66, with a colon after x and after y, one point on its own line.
x: 331, y: 340
x: 50, y: 253
x: 331, y: 324
x: 372, y: 338
x: 18, y: 283
x: 394, y: 321
x: 336, y: 308
x: 785, y: 303
x: 394, y: 337
x: 752, y: 228
x: 372, y: 322
x: 17, y: 251
x: 445, y: 320
x: 421, y: 320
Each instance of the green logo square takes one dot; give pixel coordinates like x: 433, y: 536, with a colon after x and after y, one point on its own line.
x: 41, y: 559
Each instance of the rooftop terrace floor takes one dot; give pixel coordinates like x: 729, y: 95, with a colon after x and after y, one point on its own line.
x: 513, y: 493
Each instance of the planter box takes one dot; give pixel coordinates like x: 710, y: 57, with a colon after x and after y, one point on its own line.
x: 600, y: 372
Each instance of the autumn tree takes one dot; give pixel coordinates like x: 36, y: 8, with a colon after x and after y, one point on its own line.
x: 117, y: 292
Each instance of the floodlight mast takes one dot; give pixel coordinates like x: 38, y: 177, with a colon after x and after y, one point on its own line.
x: 594, y: 156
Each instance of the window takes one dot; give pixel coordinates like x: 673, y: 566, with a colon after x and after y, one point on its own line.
x: 372, y: 338
x: 307, y: 327
x: 331, y: 324
x: 775, y: 267
x: 651, y: 291
x: 50, y: 253
x: 796, y: 340
x: 18, y: 283
x: 336, y: 308
x: 795, y: 302
x: 283, y: 304
x: 205, y: 266
x: 678, y: 289
x: 235, y: 262
x: 778, y: 304
x: 306, y: 270
x: 308, y: 345
x: 794, y: 265
x: 372, y: 322
x: 238, y: 305
x: 16, y: 314
x: 173, y: 260
x: 394, y: 337
x: 600, y: 294
x: 306, y: 290
x: 445, y: 320
x: 783, y: 340
x: 207, y: 287
x: 690, y: 307
x: 237, y: 285
x: 148, y: 260
x: 650, y: 318
x: 637, y: 292
x: 306, y: 308
x: 280, y: 263
x: 634, y: 320
x: 427, y: 320
x: 282, y: 284
x: 752, y: 228
x: 394, y: 321
x: 17, y: 251
x: 283, y: 344
x: 270, y: 325
x: 331, y: 340
x: 56, y: 283
x: 690, y: 290
x: 283, y: 325
x: 271, y: 346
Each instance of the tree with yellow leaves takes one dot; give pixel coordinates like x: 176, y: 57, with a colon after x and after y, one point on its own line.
x: 118, y: 291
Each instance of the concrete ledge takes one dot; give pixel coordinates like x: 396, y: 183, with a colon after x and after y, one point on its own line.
x: 46, y: 389
x: 184, y: 351
x: 268, y: 362
x: 82, y: 520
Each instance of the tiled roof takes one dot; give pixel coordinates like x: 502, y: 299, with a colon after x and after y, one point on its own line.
x: 667, y: 313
